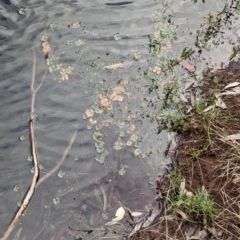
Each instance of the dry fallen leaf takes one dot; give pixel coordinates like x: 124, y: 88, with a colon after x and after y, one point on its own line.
x: 208, y: 108
x: 183, y: 98
x: 226, y: 93
x: 183, y: 215
x: 234, y: 84
x: 112, y: 223
x: 220, y: 103
x: 136, y: 214
x: 118, y: 65
x: 137, y: 227
x: 236, y: 90
x: 233, y: 137
x: 192, y: 99
x: 188, y: 85
x: 188, y: 66
x: 182, y: 185
x: 119, y: 214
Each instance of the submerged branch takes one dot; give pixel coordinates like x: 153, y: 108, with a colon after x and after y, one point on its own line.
x: 61, y: 159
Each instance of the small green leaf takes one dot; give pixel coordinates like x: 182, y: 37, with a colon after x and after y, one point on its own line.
x: 22, y: 11
x: 76, y: 158
x: 44, y: 38
x: 16, y: 188
x: 69, y: 42
x: 40, y: 167
x: 22, y: 138
x: 117, y: 36
x: 50, y: 69
x: 79, y: 42
x: 34, y: 116
x: 19, y: 203
x: 52, y: 26
x: 61, y: 174
x: 100, y: 158
x: 137, y: 55
x: 56, y: 200
x: 29, y: 158
x: 122, y: 170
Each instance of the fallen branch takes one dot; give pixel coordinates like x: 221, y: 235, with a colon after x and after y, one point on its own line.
x: 35, y: 178
x: 35, y: 181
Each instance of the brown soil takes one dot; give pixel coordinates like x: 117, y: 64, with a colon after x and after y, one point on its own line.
x: 208, y: 162
x: 208, y: 169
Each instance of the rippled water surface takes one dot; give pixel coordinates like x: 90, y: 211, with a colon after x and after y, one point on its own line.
x: 60, y: 108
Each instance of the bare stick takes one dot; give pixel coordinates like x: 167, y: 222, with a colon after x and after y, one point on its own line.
x: 60, y: 161
x: 32, y: 187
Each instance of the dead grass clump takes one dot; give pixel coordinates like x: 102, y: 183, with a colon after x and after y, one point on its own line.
x: 209, y: 153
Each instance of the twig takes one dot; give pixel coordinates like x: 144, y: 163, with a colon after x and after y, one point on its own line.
x: 35, y: 178
x: 61, y: 159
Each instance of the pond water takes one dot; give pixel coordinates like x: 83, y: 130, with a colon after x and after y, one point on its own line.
x: 89, y: 36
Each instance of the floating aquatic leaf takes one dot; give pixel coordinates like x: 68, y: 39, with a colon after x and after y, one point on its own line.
x: 118, y: 145
x: 137, y: 55
x: 234, y: 84
x: 22, y: 11
x: 22, y: 138
x: 99, y: 147
x: 50, y: 69
x: 34, y: 116
x: 76, y: 158
x: 117, y: 36
x: 56, y: 200
x: 100, y: 158
x: 16, y: 188
x: 40, y: 167
x: 79, y: 42
x: 61, y: 174
x: 29, y: 158
x: 119, y: 214
x: 52, y: 26
x: 75, y: 25
x: 122, y: 170
x: 44, y: 38
x: 69, y: 42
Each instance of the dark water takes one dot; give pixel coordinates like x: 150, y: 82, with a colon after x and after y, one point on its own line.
x: 59, y: 106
